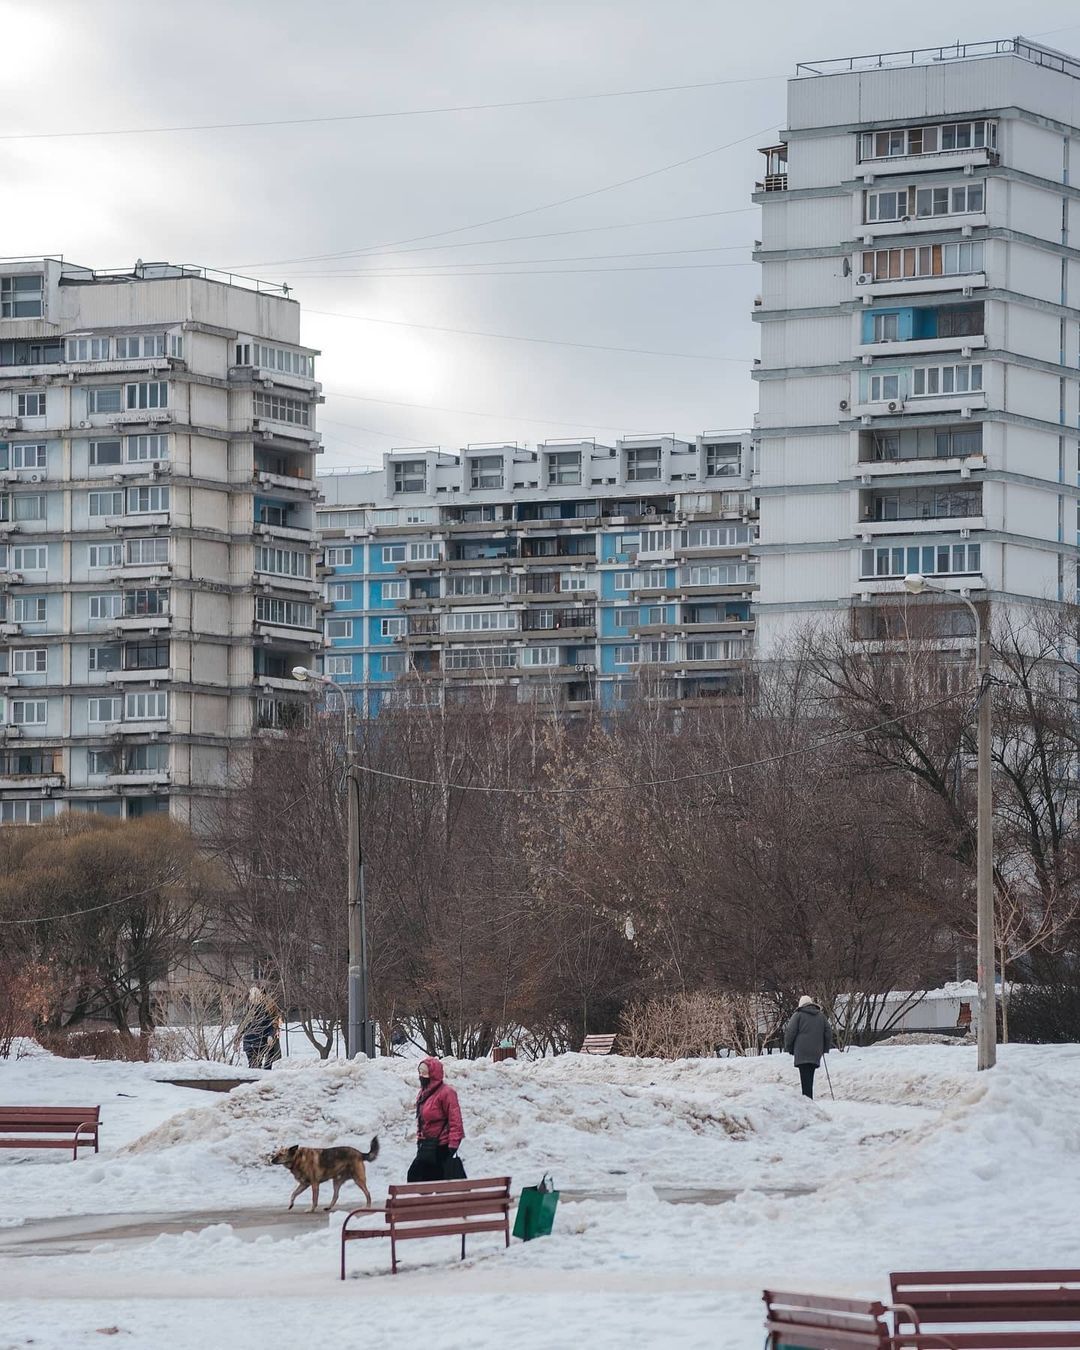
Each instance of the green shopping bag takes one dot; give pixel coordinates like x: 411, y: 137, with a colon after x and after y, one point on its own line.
x: 536, y: 1210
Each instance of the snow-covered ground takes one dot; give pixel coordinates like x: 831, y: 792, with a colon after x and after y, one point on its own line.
x: 919, y: 1161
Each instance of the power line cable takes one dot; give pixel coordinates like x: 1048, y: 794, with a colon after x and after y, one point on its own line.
x: 553, y: 271
x: 514, y: 262
x: 92, y: 909
x: 515, y: 337
x: 511, y: 215
x: 473, y: 412
x: 553, y: 234
x: 831, y: 739
x: 384, y: 116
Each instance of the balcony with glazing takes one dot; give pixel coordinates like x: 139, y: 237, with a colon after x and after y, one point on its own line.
x: 908, y: 510
x: 953, y: 448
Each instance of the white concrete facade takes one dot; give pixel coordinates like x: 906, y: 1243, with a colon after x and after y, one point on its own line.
x: 158, y: 570
x: 919, y: 381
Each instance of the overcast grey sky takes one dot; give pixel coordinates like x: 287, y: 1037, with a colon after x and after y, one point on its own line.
x: 259, y: 199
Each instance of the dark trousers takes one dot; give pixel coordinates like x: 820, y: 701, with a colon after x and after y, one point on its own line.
x: 430, y: 1161
x: 806, y: 1073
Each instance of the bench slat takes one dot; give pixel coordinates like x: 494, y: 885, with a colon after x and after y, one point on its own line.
x: 461, y: 1229
x: 420, y: 1188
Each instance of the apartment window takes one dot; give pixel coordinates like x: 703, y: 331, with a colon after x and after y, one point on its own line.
x: 27, y: 811
x: 28, y: 506
x: 282, y: 562
x: 626, y: 654
x: 105, y: 555
x: 419, y: 515
x: 28, y: 609
x: 650, y: 579
x: 392, y: 627
x: 652, y: 653
x: 22, y: 297
x: 929, y: 381
x: 30, y: 405
x: 147, y: 394
x: 146, y: 707
x: 563, y: 467
x: 147, y: 602
x: 105, y: 452
x: 338, y: 665
x: 488, y: 585
x: 410, y: 475
x: 99, y: 762
x: 109, y: 503
x: 385, y: 516
x: 135, y: 345
x: 393, y: 590
x: 928, y: 260
x: 176, y: 345
x: 719, y: 536
x: 278, y: 358
x: 339, y: 557
x: 144, y: 500
x: 338, y: 591
x: 960, y: 321
x: 957, y: 442
x: 284, y: 613
x: 479, y: 658
x: 886, y: 327
x: 272, y: 513
x: 624, y: 581
x: 392, y: 663
x: 949, y: 201
x: 927, y: 559
x: 100, y: 659
x: 29, y: 712
x: 104, y: 398
x: 721, y: 574
x: 926, y: 140
x: 643, y: 464
x: 29, y: 661
x: 540, y: 656
x: 891, y: 205
x: 30, y: 557
x: 393, y: 553
x: 479, y: 621
x: 146, y: 759
x: 425, y: 552
x: 573, y: 581
x: 486, y: 471
x: 293, y: 411
x: 144, y: 552
x: 87, y: 349
x: 884, y: 387
x: 716, y: 649
x: 722, y: 461
x: 627, y: 617
x: 146, y: 656
x: 104, y: 709
x: 339, y: 628
x: 659, y: 541
x: 110, y: 605
x: 27, y: 455
x: 144, y: 448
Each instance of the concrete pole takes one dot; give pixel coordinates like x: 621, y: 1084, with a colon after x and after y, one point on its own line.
x: 356, y: 1038
x: 987, y: 1029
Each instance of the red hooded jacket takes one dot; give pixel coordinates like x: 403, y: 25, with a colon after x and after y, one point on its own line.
x: 438, y: 1115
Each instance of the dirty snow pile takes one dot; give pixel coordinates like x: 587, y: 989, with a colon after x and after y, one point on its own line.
x: 918, y: 1161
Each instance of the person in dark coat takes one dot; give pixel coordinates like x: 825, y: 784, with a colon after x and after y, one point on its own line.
x: 439, y: 1130
x: 808, y: 1036
x: 260, y: 1030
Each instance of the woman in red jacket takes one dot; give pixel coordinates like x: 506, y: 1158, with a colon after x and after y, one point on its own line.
x: 438, y: 1124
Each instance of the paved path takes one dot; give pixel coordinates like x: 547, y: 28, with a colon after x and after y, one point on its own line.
x: 81, y: 1233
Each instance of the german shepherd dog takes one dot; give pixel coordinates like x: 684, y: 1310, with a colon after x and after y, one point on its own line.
x: 312, y: 1166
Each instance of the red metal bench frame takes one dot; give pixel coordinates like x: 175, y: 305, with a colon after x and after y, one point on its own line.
x: 436, y: 1209
x: 78, y: 1125
x: 822, y: 1322
x: 968, y: 1308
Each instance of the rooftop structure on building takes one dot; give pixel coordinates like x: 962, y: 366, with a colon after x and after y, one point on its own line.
x: 157, y: 541
x: 565, y: 575
x: 919, y: 378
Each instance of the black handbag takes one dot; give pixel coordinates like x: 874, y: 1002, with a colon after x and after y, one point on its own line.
x: 454, y: 1169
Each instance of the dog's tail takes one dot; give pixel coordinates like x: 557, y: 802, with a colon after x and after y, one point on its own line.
x: 373, y: 1151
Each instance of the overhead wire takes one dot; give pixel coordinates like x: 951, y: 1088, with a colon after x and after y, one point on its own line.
x: 385, y: 115
x: 516, y: 337
x: 514, y: 262
x: 412, y: 274
x: 588, y: 790
x: 474, y: 412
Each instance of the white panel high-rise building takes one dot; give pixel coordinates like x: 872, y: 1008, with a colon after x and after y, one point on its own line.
x: 157, y: 544
x: 920, y: 336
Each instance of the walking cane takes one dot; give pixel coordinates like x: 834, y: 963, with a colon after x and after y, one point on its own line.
x: 828, y: 1078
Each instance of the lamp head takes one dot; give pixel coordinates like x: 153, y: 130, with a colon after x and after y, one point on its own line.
x: 915, y: 583
x: 301, y: 673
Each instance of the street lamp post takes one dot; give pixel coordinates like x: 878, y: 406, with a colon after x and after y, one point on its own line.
x: 916, y: 584
x: 358, y: 1037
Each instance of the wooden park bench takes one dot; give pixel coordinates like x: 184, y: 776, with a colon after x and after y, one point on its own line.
x: 598, y: 1045
x: 819, y: 1322
x: 74, y: 1124
x: 427, y: 1209
x: 974, y: 1309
